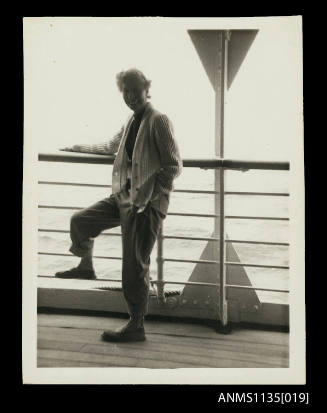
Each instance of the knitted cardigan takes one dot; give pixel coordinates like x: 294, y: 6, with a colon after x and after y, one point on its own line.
x: 156, y: 160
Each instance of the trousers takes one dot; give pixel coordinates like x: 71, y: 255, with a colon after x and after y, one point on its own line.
x: 139, y: 233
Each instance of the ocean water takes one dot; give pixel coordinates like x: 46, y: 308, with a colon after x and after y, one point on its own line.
x: 191, y: 178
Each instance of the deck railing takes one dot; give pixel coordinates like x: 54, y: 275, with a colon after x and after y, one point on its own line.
x: 223, y: 164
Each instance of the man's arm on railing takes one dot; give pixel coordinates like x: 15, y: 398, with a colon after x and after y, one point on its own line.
x: 105, y: 148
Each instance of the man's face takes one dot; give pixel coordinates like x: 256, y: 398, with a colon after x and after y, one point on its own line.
x: 135, y: 96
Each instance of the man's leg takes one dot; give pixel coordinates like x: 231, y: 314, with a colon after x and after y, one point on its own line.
x: 139, y: 233
x: 85, y: 225
x: 139, y: 236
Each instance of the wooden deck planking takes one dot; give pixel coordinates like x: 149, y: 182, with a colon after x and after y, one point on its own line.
x: 53, y: 362
x: 166, y: 340
x: 194, y: 358
x: 107, y: 360
x: 201, y: 352
x: 76, y: 341
x: 169, y: 328
x: 96, y: 360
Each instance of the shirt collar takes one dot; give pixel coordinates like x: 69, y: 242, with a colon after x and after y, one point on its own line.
x: 138, y: 116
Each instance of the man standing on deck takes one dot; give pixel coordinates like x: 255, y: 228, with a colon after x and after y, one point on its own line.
x: 147, y: 162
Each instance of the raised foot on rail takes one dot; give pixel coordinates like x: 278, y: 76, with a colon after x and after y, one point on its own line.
x: 76, y: 273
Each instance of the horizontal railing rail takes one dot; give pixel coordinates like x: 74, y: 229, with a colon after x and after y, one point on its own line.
x: 182, y: 214
x: 62, y: 254
x: 213, y: 239
x: 78, y: 157
x: 191, y: 283
x: 241, y: 264
x: 225, y: 164
x: 186, y: 191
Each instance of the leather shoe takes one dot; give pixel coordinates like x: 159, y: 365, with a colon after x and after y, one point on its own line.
x: 124, y: 336
x: 77, y: 273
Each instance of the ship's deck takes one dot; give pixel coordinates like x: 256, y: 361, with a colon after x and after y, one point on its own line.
x: 75, y: 341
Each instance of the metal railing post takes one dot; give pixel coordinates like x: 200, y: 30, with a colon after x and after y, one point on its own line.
x: 160, y: 261
x: 222, y: 254
x: 221, y: 94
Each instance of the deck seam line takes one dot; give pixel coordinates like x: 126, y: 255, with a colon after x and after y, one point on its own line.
x: 128, y: 345
x: 147, y: 358
x: 115, y: 355
x: 275, y: 353
x: 167, y: 334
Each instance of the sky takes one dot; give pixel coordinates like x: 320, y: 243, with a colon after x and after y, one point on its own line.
x: 71, y: 95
